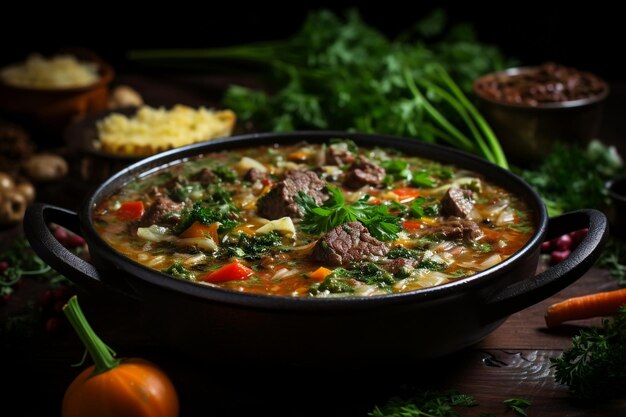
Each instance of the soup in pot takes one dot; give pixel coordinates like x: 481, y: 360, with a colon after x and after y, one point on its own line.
x: 314, y: 220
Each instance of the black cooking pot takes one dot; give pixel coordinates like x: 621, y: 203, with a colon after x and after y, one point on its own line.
x: 212, y: 322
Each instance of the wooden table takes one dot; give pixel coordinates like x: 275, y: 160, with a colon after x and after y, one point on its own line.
x: 513, y: 362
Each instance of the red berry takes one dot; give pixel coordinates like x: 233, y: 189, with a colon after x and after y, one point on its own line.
x: 60, y: 294
x: 559, y: 256
x: 74, y: 241
x: 578, y: 235
x: 61, y: 235
x: 546, y: 246
x: 563, y: 243
x: 58, y: 306
x: 52, y: 325
x: 46, y: 298
x: 4, y: 265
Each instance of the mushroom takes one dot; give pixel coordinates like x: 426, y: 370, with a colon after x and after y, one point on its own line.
x: 12, y: 207
x: 46, y: 167
x: 6, y: 182
x: 124, y: 96
x: 27, y: 191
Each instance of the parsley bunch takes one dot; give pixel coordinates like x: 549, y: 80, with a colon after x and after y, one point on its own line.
x: 338, y: 72
x: 582, y: 172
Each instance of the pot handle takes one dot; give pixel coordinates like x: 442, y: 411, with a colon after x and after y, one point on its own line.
x: 523, y: 294
x: 43, y: 242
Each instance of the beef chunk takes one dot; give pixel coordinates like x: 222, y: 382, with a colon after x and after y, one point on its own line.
x: 205, y: 176
x: 254, y: 175
x: 363, y: 172
x: 455, y: 228
x: 175, y: 181
x: 400, y: 265
x: 337, y: 156
x: 160, y: 212
x: 350, y: 242
x: 457, y: 202
x: 280, y: 201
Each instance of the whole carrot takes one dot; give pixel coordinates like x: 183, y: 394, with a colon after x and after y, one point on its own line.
x: 585, y: 307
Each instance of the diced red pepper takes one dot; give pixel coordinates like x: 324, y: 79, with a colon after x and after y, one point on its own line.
x: 130, y: 210
x: 411, y: 225
x: 231, y: 272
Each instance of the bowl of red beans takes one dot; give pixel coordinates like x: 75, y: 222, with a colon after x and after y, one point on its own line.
x: 532, y: 108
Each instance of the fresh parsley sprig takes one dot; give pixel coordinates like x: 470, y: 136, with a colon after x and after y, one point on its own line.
x: 335, y: 211
x: 518, y: 405
x: 594, y: 367
x: 425, y: 403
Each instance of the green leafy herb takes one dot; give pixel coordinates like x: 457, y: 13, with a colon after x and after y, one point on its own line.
x: 422, y: 179
x: 582, y: 171
x: 482, y: 247
x: 518, y: 405
x: 336, y: 70
x: 182, y: 192
x: 21, y: 262
x: 225, y: 174
x: 613, y: 259
x: 333, y: 285
x: 594, y: 367
x: 216, y: 207
x: 421, y: 207
x: 397, y: 169
x: 402, y: 252
x: 251, y: 247
x: 432, y: 265
x: 177, y: 270
x: 335, y: 211
x: 425, y: 404
x: 371, y: 274
x: 342, y: 280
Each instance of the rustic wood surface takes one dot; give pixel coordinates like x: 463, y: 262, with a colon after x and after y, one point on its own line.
x: 512, y: 362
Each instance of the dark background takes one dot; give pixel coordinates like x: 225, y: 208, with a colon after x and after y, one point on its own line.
x: 588, y: 37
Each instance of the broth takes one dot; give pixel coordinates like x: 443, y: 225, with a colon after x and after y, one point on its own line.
x: 321, y: 220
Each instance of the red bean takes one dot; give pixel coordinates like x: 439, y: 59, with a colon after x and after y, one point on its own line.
x: 46, y: 298
x: 74, y: 241
x: 61, y: 235
x: 4, y: 265
x: 52, y: 325
x: 563, y: 243
x: 60, y: 294
x: 546, y: 246
x: 5, y: 299
x: 559, y: 256
x: 58, y: 306
x: 578, y: 235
